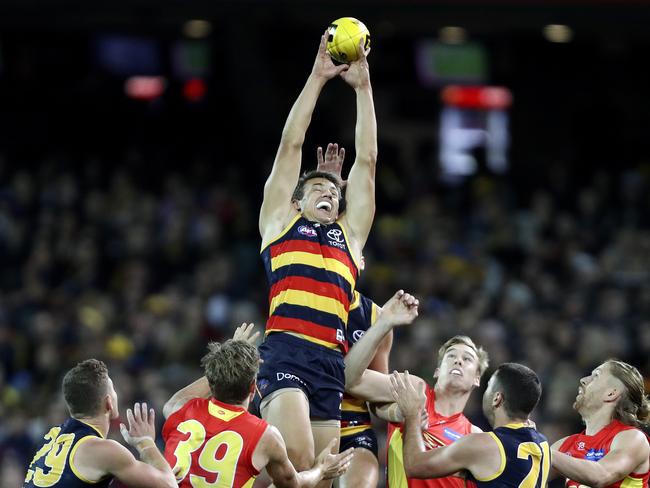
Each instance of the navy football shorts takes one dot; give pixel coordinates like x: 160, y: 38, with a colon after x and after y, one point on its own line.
x: 366, y: 439
x: 292, y: 362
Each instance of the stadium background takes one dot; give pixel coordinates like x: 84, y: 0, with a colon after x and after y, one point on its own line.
x: 128, y: 226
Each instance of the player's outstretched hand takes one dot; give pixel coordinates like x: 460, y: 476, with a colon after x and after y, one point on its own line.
x: 409, y: 400
x: 245, y: 333
x: 358, y: 74
x: 333, y: 465
x: 324, y: 67
x: 401, y: 309
x: 142, y: 426
x: 333, y: 160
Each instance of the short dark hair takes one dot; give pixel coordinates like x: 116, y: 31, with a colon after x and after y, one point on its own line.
x: 520, y: 387
x: 299, y: 191
x: 230, y: 368
x: 84, y: 387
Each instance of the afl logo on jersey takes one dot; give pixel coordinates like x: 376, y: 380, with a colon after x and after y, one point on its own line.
x: 305, y: 230
x: 357, y: 334
x: 335, y: 235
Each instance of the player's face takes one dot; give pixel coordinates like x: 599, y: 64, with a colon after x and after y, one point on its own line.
x: 115, y: 412
x: 320, y: 202
x: 459, y: 368
x: 593, y: 389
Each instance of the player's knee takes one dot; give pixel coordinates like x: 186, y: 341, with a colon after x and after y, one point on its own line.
x: 301, y: 458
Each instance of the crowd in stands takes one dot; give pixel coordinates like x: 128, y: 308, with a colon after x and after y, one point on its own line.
x: 98, y: 262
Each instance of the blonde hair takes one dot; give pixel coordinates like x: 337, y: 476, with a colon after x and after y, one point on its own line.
x: 633, y: 408
x: 481, y: 354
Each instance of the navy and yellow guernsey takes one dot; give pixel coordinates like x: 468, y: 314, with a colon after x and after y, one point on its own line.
x: 525, y: 459
x: 312, y: 275
x: 355, y: 416
x: 53, y: 464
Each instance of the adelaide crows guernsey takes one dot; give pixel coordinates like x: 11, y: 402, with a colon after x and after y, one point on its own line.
x: 525, y: 459
x: 440, y: 432
x: 312, y: 275
x: 212, y: 443
x: 355, y: 417
x: 53, y: 465
x: 595, y: 447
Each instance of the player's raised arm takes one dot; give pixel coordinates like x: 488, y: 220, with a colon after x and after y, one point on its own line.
x: 361, y: 181
x: 402, y: 308
x: 276, y: 208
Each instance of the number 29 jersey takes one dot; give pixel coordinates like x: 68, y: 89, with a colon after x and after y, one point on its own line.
x: 53, y: 464
x: 212, y: 443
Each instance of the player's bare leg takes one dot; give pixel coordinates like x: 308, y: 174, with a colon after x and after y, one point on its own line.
x: 288, y: 410
x: 363, y: 471
x: 324, y: 431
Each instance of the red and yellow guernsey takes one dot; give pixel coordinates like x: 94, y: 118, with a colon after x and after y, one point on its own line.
x: 211, y: 443
x: 441, y: 431
x: 595, y: 447
x: 312, y: 276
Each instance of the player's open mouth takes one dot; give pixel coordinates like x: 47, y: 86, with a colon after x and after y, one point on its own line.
x: 324, y: 205
x: 457, y: 372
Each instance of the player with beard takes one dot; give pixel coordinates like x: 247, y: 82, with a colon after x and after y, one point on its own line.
x: 613, y: 405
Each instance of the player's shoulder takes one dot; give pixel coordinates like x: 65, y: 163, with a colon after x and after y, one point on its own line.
x: 561, y: 444
x: 632, y: 439
x: 101, y: 454
x: 478, y: 443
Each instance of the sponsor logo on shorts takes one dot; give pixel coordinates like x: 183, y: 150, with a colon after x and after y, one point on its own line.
x: 364, y: 441
x: 289, y: 376
x: 305, y: 230
x: 581, y: 446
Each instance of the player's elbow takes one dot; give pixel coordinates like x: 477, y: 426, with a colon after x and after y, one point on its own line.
x: 603, y: 480
x: 167, y: 480
x: 287, y: 481
x: 419, y: 465
x: 368, y: 157
x: 413, y: 469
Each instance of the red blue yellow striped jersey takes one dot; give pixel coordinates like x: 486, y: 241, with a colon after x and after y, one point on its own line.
x: 355, y: 416
x: 525, y: 459
x: 595, y: 447
x: 312, y: 276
